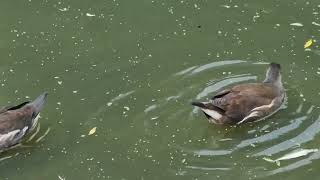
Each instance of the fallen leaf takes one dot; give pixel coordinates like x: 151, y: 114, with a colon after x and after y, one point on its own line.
x: 92, y: 131
x: 296, y: 154
x: 292, y: 155
x: 308, y: 43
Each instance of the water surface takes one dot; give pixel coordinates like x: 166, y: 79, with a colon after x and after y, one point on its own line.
x: 131, y: 69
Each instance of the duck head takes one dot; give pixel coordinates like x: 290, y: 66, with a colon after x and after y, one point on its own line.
x: 273, y: 75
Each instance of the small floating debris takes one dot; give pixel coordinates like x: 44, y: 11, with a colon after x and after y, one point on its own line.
x: 226, y: 6
x: 61, y: 178
x: 252, y: 145
x: 296, y: 24
x: 308, y: 43
x: 316, y: 24
x: 90, y: 15
x: 154, y: 118
x: 92, y: 131
x: 126, y: 108
x: 63, y: 9
x: 294, y: 154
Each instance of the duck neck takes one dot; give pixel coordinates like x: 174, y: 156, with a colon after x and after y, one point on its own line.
x: 274, y: 81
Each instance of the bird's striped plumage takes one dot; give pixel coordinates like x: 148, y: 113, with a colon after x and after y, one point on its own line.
x: 18, y: 121
x: 246, y: 102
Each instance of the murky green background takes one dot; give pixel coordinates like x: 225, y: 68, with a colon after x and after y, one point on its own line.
x: 131, y: 69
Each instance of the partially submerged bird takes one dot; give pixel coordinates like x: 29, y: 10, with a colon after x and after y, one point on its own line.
x: 246, y: 102
x: 18, y: 121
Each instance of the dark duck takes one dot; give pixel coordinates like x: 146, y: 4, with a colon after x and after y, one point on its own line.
x: 17, y: 121
x: 246, y: 102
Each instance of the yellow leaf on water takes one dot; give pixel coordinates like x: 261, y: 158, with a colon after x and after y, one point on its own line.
x: 308, y: 43
x: 92, y: 131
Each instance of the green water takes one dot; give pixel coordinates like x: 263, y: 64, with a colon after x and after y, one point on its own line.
x: 131, y: 69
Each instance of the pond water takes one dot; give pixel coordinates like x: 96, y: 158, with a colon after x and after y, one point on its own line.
x: 131, y: 69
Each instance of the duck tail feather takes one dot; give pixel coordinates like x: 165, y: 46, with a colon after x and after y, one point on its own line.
x: 208, y: 105
x: 199, y: 104
x: 39, y: 103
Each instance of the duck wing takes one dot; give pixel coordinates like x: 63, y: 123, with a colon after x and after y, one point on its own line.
x: 14, y: 124
x: 242, y: 103
x: 221, y: 94
x: 257, y: 89
x: 264, y: 111
x: 17, y: 121
x: 13, y: 118
x: 237, y: 102
x: 219, y: 100
x: 11, y: 107
x: 240, y: 106
x: 250, y: 102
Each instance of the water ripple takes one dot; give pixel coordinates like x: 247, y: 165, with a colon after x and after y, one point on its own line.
x: 274, y: 134
x: 214, y: 65
x: 206, y: 148
x: 219, y: 85
x: 295, y: 165
x: 305, y: 136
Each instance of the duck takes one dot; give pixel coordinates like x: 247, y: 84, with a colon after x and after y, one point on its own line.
x: 18, y: 121
x: 247, y: 102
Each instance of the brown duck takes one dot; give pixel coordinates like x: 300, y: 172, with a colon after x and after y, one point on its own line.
x: 18, y: 121
x: 246, y: 102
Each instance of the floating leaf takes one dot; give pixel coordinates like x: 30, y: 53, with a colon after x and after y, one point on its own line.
x: 292, y: 155
x: 308, y: 43
x: 92, y: 131
x: 296, y: 154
